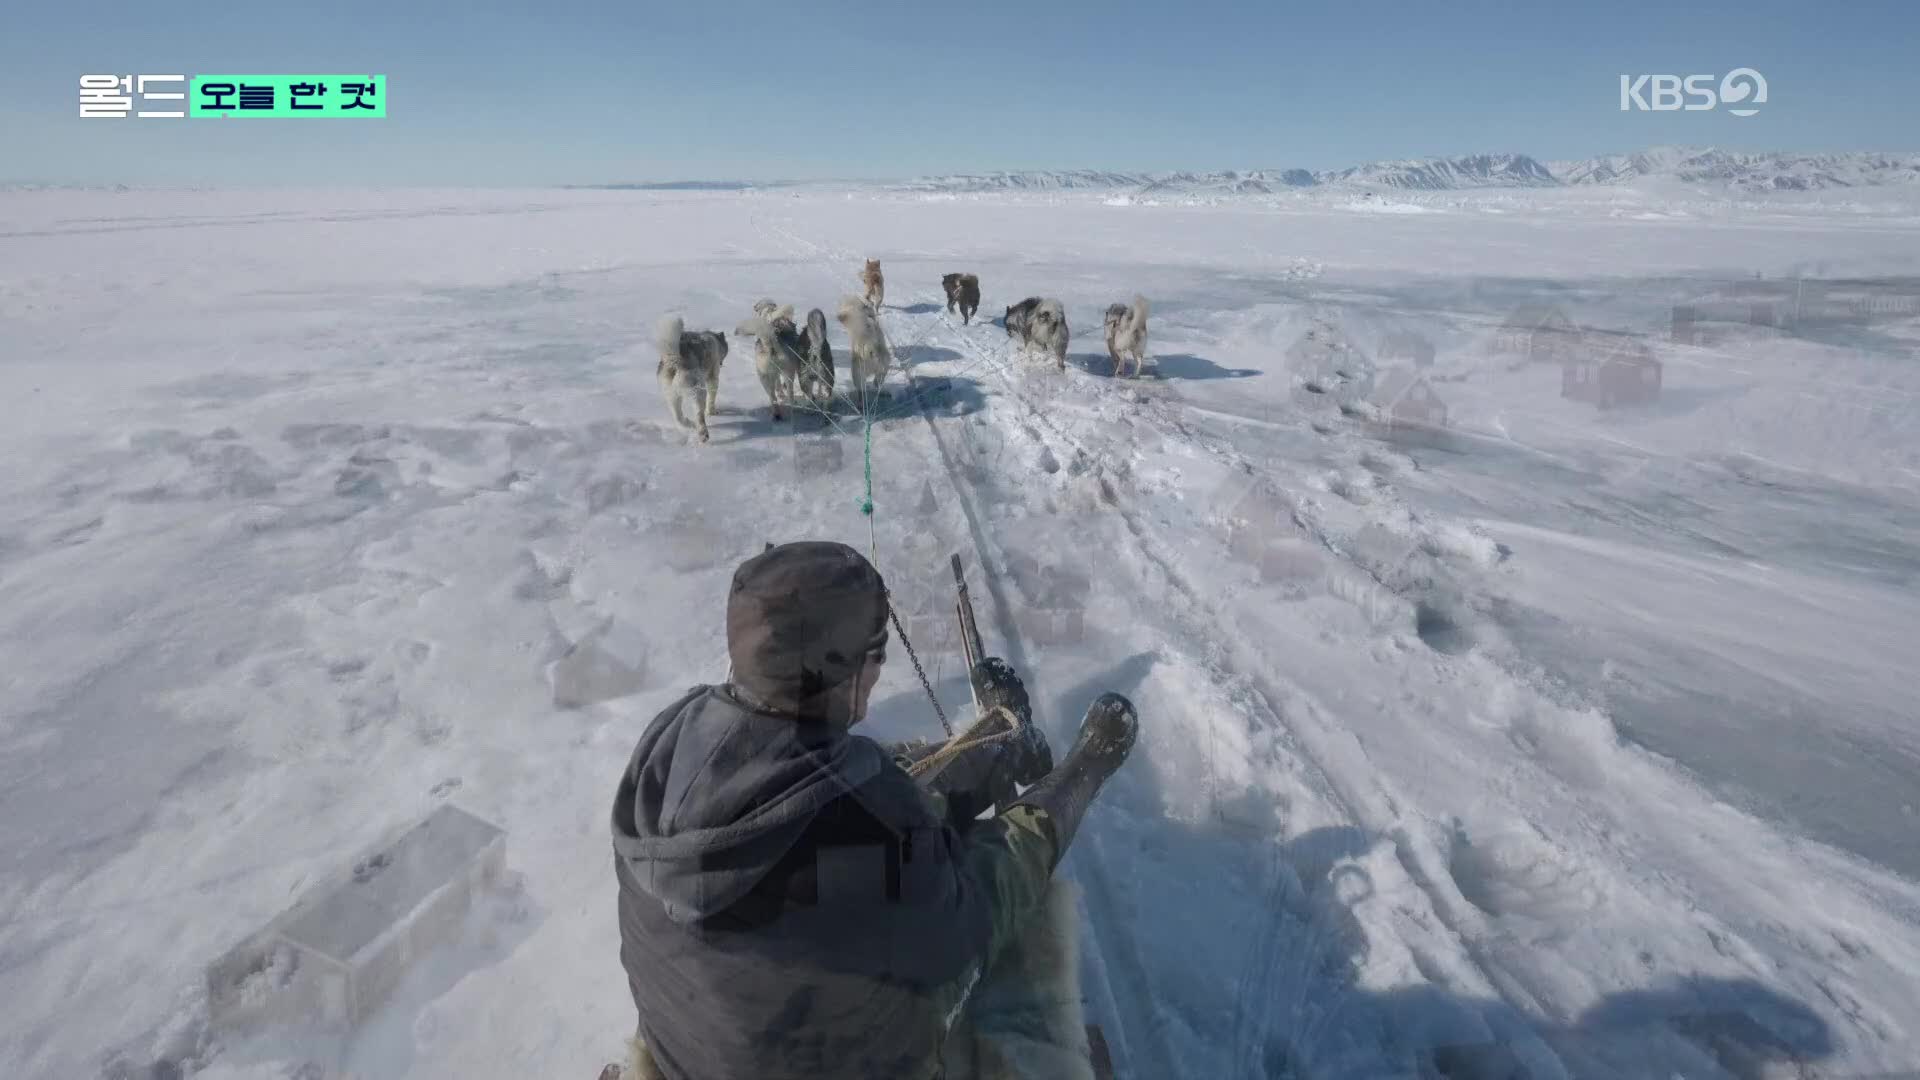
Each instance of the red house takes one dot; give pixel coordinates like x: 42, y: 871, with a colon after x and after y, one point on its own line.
x: 1611, y: 369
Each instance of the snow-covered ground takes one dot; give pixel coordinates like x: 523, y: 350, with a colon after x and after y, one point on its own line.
x: 1567, y: 742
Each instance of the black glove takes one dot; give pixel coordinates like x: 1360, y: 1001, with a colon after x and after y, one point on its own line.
x: 986, y: 775
x: 1026, y: 757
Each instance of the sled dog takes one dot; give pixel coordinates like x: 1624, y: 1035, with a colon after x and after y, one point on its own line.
x: 964, y: 290
x: 1041, y: 323
x: 1127, y: 334
x: 816, y: 360
x: 689, y: 368
x: 870, y: 357
x: 777, y: 353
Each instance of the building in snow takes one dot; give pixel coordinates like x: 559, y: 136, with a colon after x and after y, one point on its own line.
x: 1685, y: 326
x: 1406, y: 400
x: 1263, y: 532
x: 1611, y: 369
x: 1538, y: 331
x: 1857, y: 302
x: 340, y: 951
x: 1797, y: 306
x: 1325, y: 361
x: 1054, y: 612
x: 1406, y: 347
x: 817, y: 454
x: 1753, y: 305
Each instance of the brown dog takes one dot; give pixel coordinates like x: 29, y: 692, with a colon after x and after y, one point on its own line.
x: 962, y: 289
x: 875, y: 285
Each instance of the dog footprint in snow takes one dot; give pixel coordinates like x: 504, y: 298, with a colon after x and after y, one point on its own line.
x: 1386, y: 465
x: 1357, y: 490
x: 541, y: 579
x: 1516, y: 870
x: 431, y: 730
x: 1461, y: 543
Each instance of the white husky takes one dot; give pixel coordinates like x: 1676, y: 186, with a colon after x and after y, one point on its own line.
x: 777, y: 353
x: 870, y: 358
x: 1127, y: 334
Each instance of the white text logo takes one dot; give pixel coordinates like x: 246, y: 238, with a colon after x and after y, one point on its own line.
x: 1742, y: 87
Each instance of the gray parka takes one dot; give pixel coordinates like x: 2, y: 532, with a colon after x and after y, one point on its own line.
x: 792, y: 905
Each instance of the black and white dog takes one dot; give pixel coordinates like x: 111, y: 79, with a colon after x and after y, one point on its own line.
x: 816, y: 360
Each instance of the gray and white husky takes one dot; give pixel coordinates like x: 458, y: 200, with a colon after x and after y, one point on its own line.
x: 1127, y: 334
x: 1040, y: 322
x: 870, y: 358
x: 1018, y: 316
x: 689, y: 367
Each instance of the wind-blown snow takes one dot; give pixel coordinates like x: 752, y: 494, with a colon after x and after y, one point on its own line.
x: 1564, y: 742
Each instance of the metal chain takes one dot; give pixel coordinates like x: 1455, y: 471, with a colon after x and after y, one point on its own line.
x: 917, y: 669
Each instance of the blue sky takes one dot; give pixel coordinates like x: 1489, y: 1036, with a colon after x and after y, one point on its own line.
x: 524, y: 93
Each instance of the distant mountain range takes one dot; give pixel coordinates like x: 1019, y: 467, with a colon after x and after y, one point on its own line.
x: 1776, y: 171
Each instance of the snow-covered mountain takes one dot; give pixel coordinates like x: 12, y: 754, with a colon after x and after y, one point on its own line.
x: 1478, y: 170
x: 1771, y: 171
x: 1034, y: 180
x: 1442, y: 174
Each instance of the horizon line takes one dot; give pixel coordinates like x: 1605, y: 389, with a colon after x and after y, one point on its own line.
x: 739, y: 184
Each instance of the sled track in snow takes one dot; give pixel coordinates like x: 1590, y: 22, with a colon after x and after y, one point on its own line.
x: 1369, y: 806
x: 1087, y: 860
x: 1087, y: 863
x: 1142, y: 1048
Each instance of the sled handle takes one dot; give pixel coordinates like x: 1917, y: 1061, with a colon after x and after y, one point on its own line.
x: 969, y: 626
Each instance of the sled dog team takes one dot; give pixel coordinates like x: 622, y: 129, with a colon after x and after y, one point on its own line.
x: 794, y: 360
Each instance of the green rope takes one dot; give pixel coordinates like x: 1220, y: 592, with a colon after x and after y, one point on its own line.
x: 866, y: 504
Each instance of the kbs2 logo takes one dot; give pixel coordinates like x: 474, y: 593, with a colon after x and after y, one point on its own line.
x: 1743, y: 87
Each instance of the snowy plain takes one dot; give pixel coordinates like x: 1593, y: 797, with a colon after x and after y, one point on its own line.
x: 1566, y: 742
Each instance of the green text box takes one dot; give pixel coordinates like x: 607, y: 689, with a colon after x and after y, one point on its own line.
x: 258, y: 96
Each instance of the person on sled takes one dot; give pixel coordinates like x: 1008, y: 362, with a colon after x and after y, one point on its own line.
x: 794, y: 905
